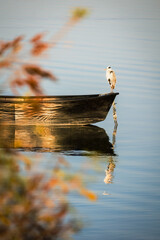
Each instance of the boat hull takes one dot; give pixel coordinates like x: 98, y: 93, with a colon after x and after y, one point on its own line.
x: 55, y: 110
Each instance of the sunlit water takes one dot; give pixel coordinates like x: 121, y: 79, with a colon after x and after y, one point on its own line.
x: 125, y: 35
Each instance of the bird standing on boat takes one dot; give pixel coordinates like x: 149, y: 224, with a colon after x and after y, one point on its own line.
x: 111, y: 77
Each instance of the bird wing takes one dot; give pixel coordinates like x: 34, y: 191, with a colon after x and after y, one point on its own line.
x: 113, y: 77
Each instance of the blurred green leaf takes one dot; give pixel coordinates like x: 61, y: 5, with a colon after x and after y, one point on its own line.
x: 79, y: 13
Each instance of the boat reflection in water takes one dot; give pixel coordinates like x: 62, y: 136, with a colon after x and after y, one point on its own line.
x: 69, y: 140
x: 111, y: 163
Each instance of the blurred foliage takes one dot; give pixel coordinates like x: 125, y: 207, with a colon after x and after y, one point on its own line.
x: 25, y: 70
x: 36, y: 206
x: 22, y: 73
x: 79, y: 13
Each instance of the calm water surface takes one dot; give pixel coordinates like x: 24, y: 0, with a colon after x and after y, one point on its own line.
x: 125, y: 35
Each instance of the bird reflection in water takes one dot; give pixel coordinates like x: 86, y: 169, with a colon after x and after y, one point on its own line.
x: 115, y: 125
x: 111, y: 160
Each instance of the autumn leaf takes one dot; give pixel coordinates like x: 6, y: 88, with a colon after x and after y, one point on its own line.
x: 51, y: 183
x: 37, y: 37
x: 33, y: 69
x: 39, y: 48
x: 34, y: 85
x: 17, y: 44
x: 14, y: 44
x: 17, y: 40
x: 90, y: 195
x: 4, y: 46
x: 31, y: 81
x: 5, y: 64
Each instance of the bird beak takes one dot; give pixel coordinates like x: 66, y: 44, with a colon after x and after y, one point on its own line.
x: 105, y: 69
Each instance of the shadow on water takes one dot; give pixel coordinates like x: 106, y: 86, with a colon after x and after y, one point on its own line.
x: 72, y: 140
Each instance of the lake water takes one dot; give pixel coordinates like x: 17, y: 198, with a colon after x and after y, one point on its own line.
x: 126, y: 35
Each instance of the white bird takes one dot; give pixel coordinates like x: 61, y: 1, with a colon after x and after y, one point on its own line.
x: 111, y: 77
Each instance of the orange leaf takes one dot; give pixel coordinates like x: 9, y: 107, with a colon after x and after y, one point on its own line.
x: 16, y: 41
x: 33, y: 69
x: 50, y: 184
x: 39, y: 48
x: 4, y: 46
x: 31, y: 81
x: 90, y: 195
x: 34, y: 85
x: 4, y: 64
x: 37, y: 37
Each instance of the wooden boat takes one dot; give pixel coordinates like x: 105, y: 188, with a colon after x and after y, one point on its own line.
x: 74, y: 140
x: 55, y: 110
